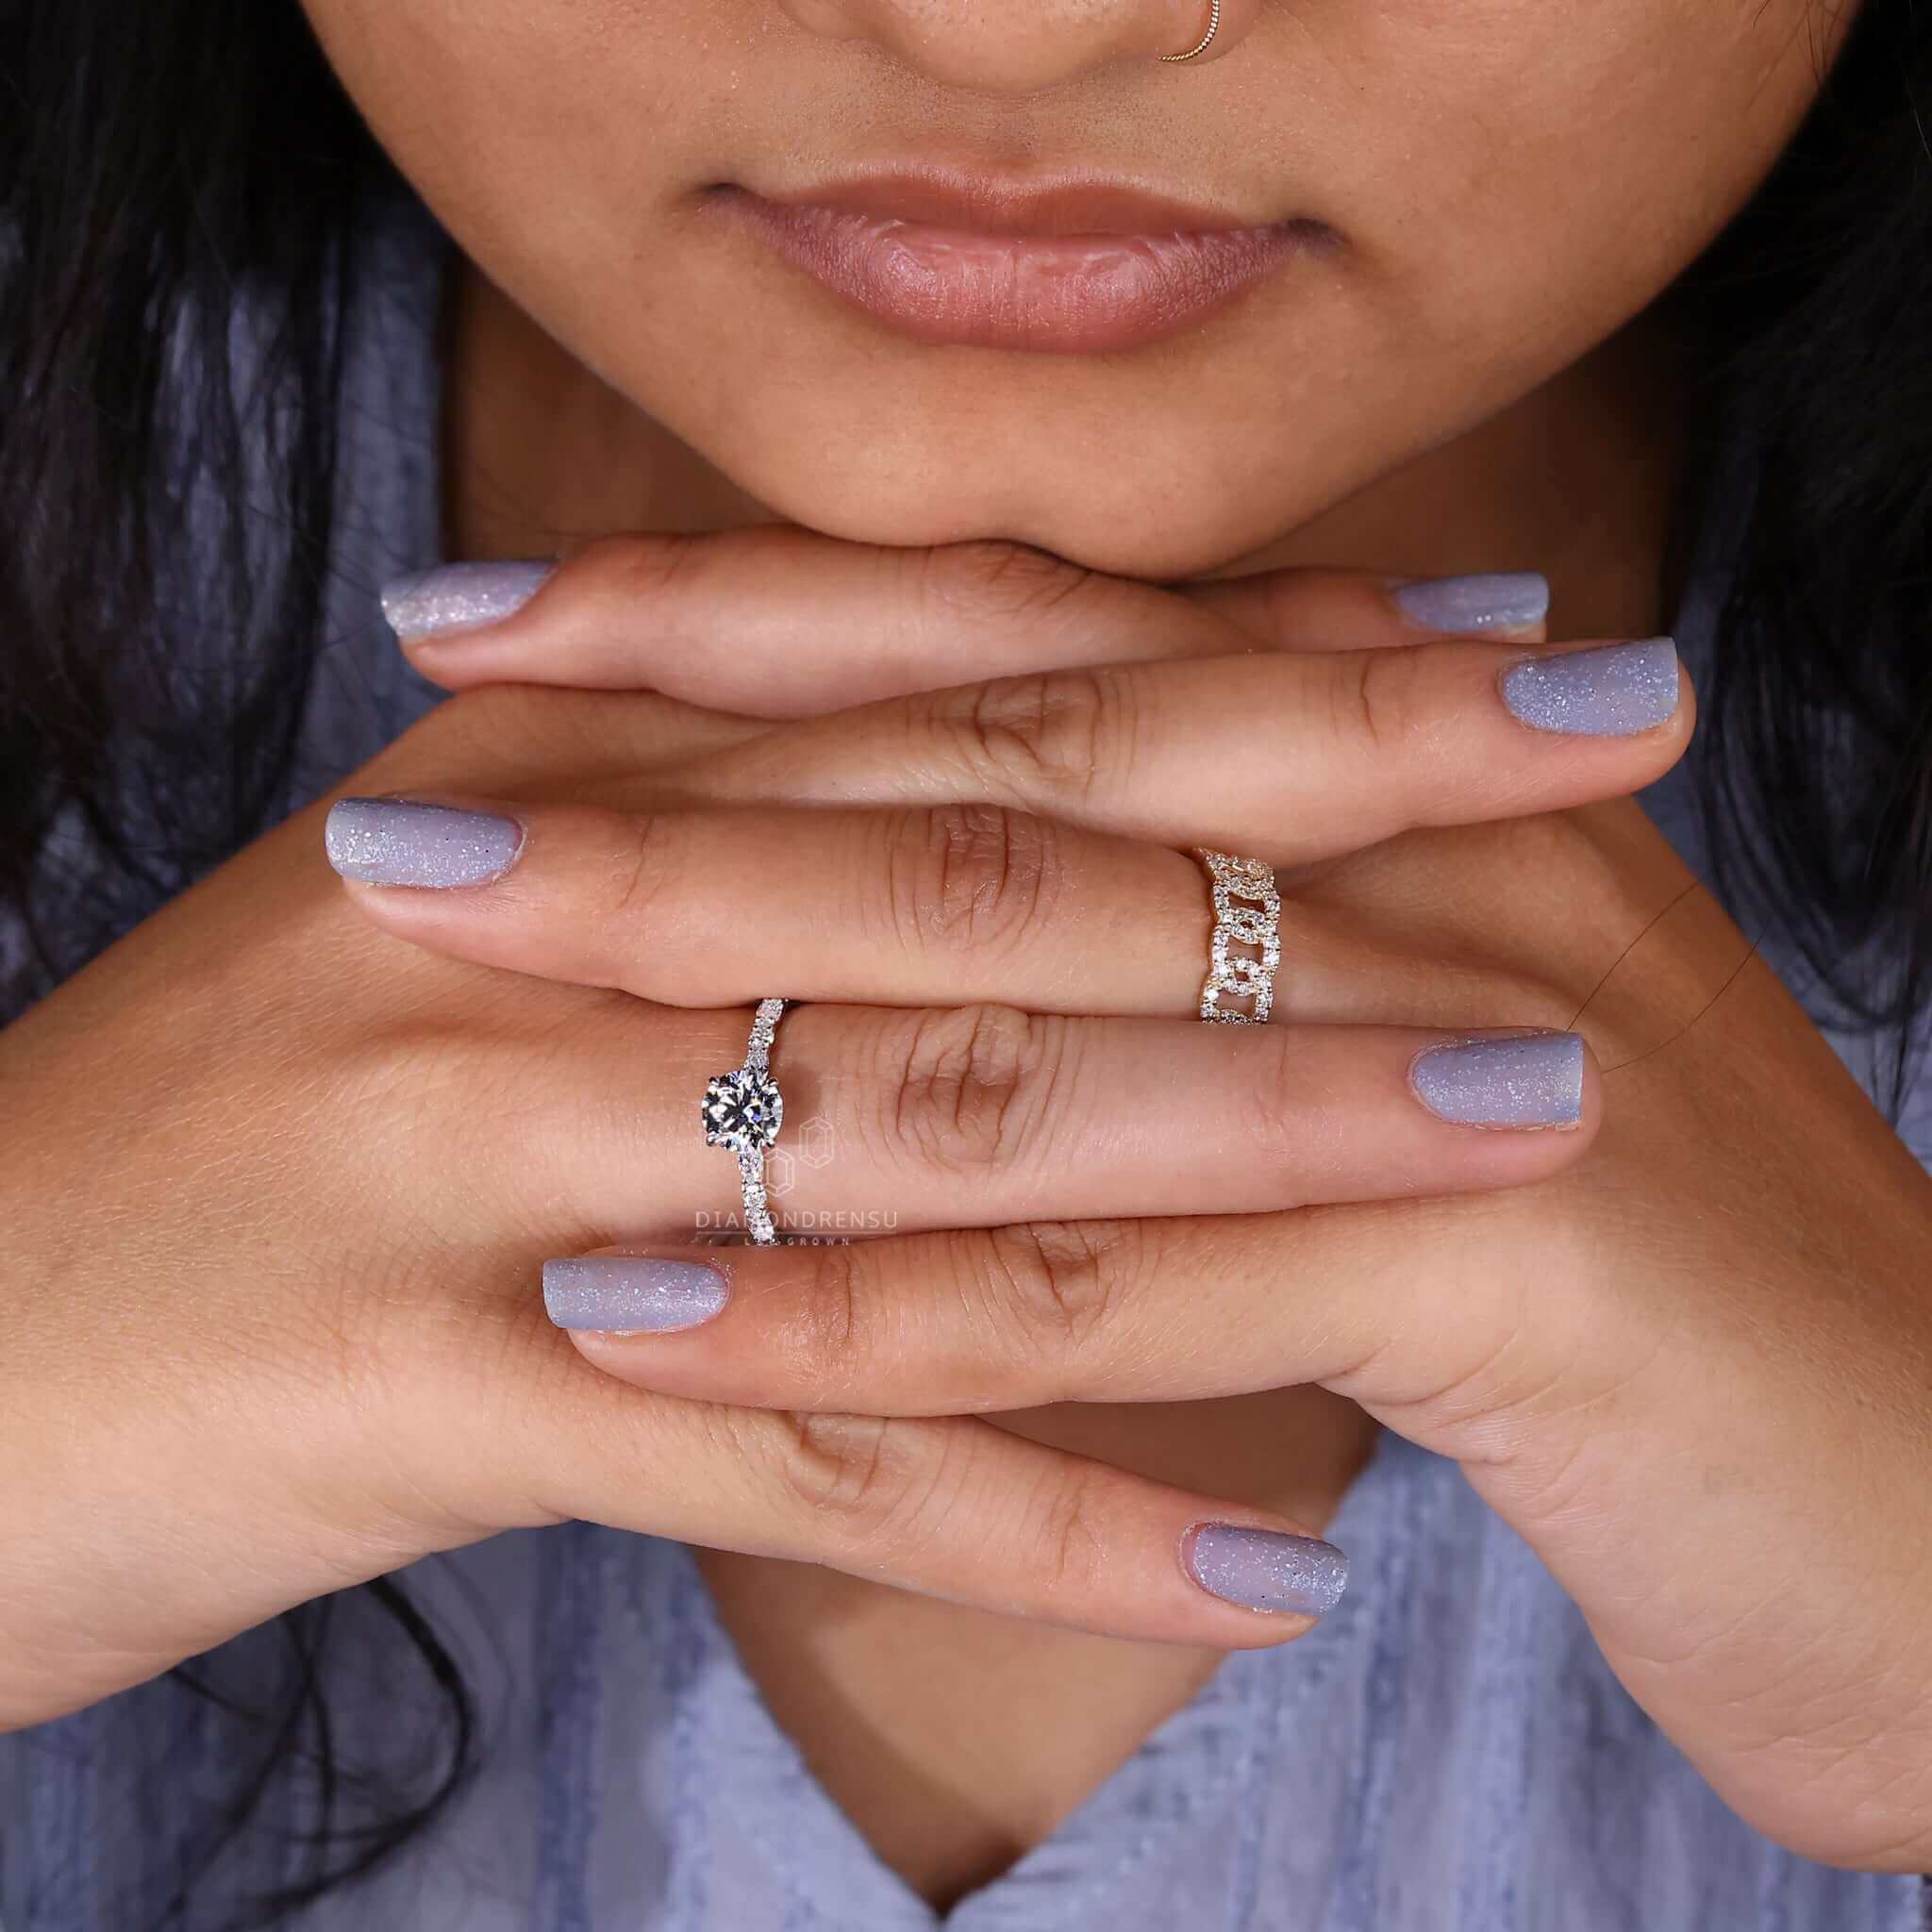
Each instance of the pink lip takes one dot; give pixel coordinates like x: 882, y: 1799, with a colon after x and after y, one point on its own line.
x: 1071, y: 268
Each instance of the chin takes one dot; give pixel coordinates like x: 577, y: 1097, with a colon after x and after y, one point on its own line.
x: 1159, y: 528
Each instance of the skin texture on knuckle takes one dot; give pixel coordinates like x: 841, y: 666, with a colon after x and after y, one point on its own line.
x: 1378, y: 705
x: 876, y: 1487
x: 1052, y: 1287
x: 964, y: 1089
x: 1065, y: 1534
x: 998, y: 583
x: 642, y: 570
x: 826, y: 1333
x: 899, y: 1494
x: 977, y: 877
x: 634, y: 880
x: 1286, y: 1144
x: 1060, y: 735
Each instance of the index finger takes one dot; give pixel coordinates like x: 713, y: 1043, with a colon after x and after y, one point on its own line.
x: 1286, y: 758
x: 778, y: 621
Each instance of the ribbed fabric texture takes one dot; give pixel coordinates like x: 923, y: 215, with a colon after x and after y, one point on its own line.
x: 1445, y: 1753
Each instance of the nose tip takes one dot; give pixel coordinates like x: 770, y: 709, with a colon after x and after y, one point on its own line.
x: 1027, y: 46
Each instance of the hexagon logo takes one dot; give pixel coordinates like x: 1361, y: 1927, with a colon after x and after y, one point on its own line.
x: 812, y: 1146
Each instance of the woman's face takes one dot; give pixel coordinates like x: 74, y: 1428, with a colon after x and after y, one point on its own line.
x: 1483, y: 190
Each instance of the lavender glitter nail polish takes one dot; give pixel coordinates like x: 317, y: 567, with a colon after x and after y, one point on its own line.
x: 1533, y: 1080
x: 630, y: 1293
x: 1607, y: 693
x: 404, y: 842
x: 1495, y: 600
x: 1264, y: 1569
x: 460, y: 596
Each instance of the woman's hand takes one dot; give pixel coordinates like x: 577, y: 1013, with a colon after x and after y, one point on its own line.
x: 276, y: 1186
x: 1693, y: 1370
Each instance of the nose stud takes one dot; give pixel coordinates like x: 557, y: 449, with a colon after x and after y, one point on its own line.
x: 1213, y: 28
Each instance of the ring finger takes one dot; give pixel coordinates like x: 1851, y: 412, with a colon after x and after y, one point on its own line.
x: 976, y: 1116
x: 909, y: 906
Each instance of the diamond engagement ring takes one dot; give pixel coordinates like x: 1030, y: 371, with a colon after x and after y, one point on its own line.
x: 1256, y: 925
x: 742, y: 1110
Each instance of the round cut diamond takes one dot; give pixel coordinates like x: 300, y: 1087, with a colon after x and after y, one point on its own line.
x: 742, y: 1109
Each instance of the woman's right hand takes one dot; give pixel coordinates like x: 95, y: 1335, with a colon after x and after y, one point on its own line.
x: 275, y: 1189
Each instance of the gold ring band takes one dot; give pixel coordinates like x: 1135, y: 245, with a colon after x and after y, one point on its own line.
x: 1254, y: 927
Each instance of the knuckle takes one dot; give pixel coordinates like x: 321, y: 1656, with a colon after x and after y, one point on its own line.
x: 1275, y: 1117
x: 1057, y: 732
x: 977, y: 877
x: 828, y: 1334
x: 1069, y: 1533
x: 997, y: 580
x: 839, y: 1463
x: 629, y: 565
x: 1375, y: 700
x: 634, y: 876
x: 969, y: 1085
x: 878, y: 1479
x: 1057, y: 1280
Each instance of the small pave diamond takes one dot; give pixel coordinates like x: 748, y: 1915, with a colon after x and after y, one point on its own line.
x: 765, y: 1024
x: 1256, y: 925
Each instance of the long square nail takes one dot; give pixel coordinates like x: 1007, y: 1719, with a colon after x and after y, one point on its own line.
x: 1612, y: 691
x: 1525, y: 1080
x: 1265, y: 1569
x: 631, y: 1294
x: 407, y: 841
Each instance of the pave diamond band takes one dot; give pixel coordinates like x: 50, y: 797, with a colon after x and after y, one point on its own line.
x: 742, y: 1110
x: 1255, y: 924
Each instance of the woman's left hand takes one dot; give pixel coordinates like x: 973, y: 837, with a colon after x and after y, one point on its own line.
x: 1693, y: 1371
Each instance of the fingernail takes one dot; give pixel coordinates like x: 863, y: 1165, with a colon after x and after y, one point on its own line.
x: 1527, y: 1080
x: 630, y: 1294
x: 1496, y: 600
x: 405, y: 841
x: 1607, y: 693
x: 1265, y: 1569
x: 459, y: 597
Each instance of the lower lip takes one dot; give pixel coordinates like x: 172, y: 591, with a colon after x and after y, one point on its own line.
x: 1059, y: 293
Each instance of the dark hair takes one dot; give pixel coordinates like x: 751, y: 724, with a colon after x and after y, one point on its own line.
x: 163, y: 164
x: 1813, y: 388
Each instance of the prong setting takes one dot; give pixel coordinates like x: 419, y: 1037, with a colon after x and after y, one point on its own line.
x: 742, y: 1110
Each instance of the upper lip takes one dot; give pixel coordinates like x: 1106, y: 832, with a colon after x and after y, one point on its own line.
x: 1064, y: 204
